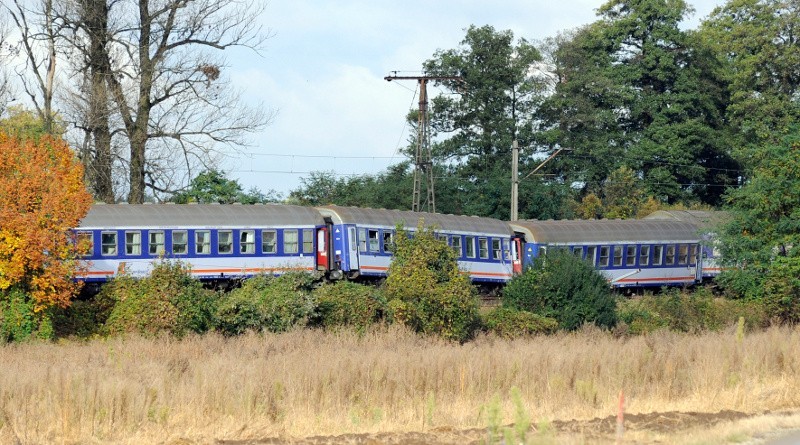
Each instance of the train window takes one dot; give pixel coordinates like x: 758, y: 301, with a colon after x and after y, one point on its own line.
x: 225, y: 241
x: 577, y: 251
x: 269, y: 242
x: 693, y: 254
x: 507, y: 249
x: 617, y: 255
x: 108, y: 243
x: 372, y: 235
x: 388, y: 240
x: 308, y: 240
x: 202, y: 242
x: 483, y: 248
x: 133, y: 243
x: 362, y: 240
x: 683, y: 254
x: 644, y: 256
x: 85, y: 242
x: 180, y: 242
x: 604, y: 256
x: 470, y: 241
x: 497, y: 252
x: 290, y: 241
x: 669, y: 258
x: 630, y: 255
x: 591, y: 255
x: 155, y: 242
x: 658, y: 254
x: 455, y: 243
x: 247, y: 241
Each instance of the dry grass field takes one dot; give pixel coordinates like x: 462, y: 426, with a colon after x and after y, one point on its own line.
x: 391, y: 386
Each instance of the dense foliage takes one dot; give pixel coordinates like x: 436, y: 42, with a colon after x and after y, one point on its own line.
x: 264, y: 302
x: 169, y: 300
x: 511, y: 323
x: 562, y: 286
x: 761, y: 243
x: 426, y: 290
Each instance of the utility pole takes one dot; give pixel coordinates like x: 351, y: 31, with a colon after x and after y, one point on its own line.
x: 423, y: 163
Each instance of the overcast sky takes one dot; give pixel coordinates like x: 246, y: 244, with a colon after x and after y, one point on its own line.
x: 323, y: 69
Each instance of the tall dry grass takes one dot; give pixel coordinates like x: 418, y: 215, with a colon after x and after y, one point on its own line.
x: 309, y: 382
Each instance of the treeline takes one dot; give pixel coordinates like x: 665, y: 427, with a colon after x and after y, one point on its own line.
x: 648, y: 114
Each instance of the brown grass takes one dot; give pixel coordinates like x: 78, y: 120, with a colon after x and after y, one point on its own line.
x: 309, y: 382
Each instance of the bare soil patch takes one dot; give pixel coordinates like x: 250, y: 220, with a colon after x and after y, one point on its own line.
x: 598, y: 430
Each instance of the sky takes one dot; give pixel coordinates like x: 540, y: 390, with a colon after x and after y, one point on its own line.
x: 322, y: 71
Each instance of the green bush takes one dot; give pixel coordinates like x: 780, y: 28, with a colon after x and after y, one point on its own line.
x: 348, y: 304
x: 688, y: 312
x: 561, y: 286
x: 782, y: 289
x: 268, y: 303
x: 169, y: 300
x: 83, y: 318
x: 511, y: 323
x: 432, y: 295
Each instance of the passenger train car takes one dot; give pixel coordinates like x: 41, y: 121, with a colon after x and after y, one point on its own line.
x: 217, y: 241
x: 223, y: 242
x: 629, y: 253
x: 362, y: 240
x: 706, y: 222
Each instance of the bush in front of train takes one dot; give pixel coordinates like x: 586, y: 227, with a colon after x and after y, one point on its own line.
x: 564, y: 287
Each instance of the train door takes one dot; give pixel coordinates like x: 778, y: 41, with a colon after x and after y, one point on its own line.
x: 516, y: 258
x: 323, y: 260
x: 352, y: 248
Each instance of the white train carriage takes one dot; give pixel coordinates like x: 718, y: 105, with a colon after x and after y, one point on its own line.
x: 629, y: 253
x: 361, y: 241
x: 707, y: 223
x: 217, y: 242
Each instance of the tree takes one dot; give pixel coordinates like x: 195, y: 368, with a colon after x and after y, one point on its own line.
x: 38, y: 34
x: 213, y: 187
x: 5, y: 54
x: 168, y: 88
x: 390, y: 189
x: 758, y: 41
x: 42, y: 197
x: 426, y: 290
x: 636, y: 90
x: 765, y: 224
x: 489, y: 107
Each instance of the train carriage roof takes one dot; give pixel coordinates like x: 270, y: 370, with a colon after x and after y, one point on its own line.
x: 605, y: 231
x: 390, y: 218
x: 199, y: 215
x: 702, y: 219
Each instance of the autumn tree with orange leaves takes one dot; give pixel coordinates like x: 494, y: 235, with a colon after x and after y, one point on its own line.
x: 42, y: 196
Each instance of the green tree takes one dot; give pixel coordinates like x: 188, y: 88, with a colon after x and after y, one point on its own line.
x: 636, y: 90
x: 765, y: 224
x: 758, y: 41
x: 427, y: 291
x: 390, y: 189
x: 489, y: 107
x: 212, y: 186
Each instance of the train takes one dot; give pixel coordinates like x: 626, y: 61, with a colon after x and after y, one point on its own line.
x: 226, y: 242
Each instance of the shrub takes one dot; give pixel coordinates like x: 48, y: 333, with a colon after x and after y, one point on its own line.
x: 512, y: 323
x: 564, y: 287
x: 168, y: 300
x: 434, y: 296
x: 782, y: 289
x: 348, y: 304
x: 268, y: 303
x: 688, y: 312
